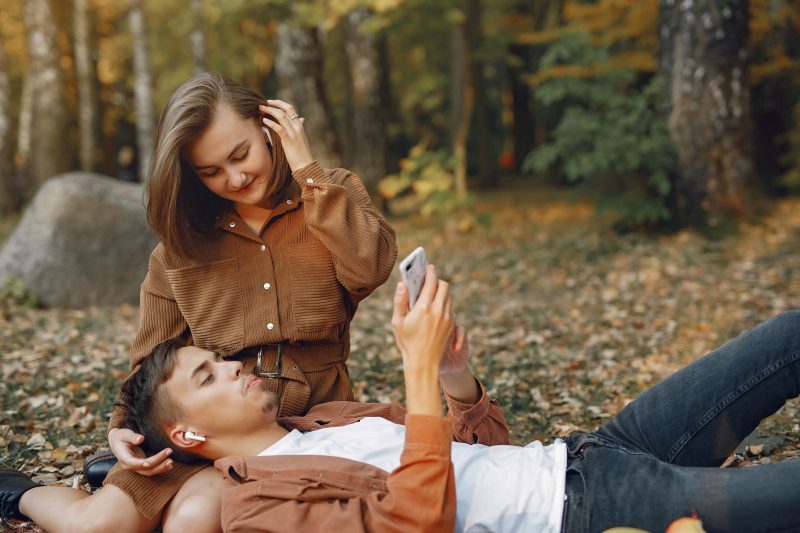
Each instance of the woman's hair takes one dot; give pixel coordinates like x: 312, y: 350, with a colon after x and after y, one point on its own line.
x: 149, y: 408
x: 179, y: 206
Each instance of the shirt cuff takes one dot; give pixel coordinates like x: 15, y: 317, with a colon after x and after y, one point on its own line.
x: 310, y: 176
x: 470, y: 414
x: 429, y: 432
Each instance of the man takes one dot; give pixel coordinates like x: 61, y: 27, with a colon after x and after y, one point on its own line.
x: 354, y: 467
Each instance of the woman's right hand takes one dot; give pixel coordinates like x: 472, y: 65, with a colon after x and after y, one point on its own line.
x: 124, y: 443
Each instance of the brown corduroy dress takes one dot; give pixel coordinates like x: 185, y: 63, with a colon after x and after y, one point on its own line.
x: 296, y: 285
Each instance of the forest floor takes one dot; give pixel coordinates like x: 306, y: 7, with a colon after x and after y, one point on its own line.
x: 568, y: 322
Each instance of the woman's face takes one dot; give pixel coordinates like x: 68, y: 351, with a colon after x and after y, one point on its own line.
x: 232, y: 160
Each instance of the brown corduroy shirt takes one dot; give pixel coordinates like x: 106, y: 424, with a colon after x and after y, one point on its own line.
x: 320, y: 493
x: 298, y: 282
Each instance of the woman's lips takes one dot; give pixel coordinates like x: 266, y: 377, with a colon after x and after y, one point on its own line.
x: 244, y: 189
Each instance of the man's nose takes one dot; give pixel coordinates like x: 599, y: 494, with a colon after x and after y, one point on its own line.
x: 235, y: 368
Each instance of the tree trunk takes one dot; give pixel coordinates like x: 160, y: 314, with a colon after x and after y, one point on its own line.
x: 529, y: 124
x: 84, y: 68
x: 142, y: 87
x: 369, y: 116
x: 8, y: 191
x: 48, y: 124
x: 299, y: 64
x: 703, y: 60
x: 197, y: 37
x: 473, y: 14
x: 461, y: 97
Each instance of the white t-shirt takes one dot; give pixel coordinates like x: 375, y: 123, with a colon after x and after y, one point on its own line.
x: 498, y: 488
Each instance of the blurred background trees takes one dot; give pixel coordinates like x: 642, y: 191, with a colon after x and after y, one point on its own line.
x: 665, y: 112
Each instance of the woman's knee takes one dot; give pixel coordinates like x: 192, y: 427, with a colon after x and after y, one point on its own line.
x: 196, y: 507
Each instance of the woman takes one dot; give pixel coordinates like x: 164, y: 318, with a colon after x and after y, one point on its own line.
x: 264, y: 257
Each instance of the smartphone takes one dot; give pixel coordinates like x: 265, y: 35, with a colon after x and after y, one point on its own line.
x: 412, y: 272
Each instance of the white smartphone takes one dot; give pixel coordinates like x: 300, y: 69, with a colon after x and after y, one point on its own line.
x: 412, y: 272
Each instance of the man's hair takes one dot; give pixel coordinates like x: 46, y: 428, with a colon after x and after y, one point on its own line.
x: 150, y: 408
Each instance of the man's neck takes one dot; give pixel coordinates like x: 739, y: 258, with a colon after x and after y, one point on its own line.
x: 252, y: 443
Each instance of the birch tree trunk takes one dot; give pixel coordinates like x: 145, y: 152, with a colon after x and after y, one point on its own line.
x: 197, y: 38
x: 461, y: 97
x: 703, y: 60
x: 47, y: 133
x: 369, y: 116
x: 84, y: 68
x: 7, y: 182
x: 299, y: 66
x: 143, y: 86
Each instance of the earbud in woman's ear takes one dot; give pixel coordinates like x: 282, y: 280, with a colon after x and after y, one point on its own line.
x: 193, y: 436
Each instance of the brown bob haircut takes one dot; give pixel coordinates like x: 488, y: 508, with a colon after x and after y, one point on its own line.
x: 179, y: 207
x: 149, y: 408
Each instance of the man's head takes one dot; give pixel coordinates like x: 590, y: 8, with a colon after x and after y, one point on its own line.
x: 179, y: 390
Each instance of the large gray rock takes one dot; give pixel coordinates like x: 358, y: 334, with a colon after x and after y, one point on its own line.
x: 83, y: 241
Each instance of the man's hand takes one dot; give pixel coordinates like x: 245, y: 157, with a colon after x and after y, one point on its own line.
x: 124, y: 443
x: 422, y: 334
x: 454, y: 372
x: 456, y: 356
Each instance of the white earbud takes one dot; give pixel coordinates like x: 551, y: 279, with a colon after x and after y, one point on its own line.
x: 191, y: 436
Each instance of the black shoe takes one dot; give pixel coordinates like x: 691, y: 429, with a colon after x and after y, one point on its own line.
x: 13, y: 484
x: 97, y: 466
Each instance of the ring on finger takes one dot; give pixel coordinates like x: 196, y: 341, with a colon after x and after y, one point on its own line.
x: 295, y: 116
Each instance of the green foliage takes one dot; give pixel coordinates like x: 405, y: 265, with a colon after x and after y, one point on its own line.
x: 17, y: 293
x: 425, y: 183
x: 610, y: 139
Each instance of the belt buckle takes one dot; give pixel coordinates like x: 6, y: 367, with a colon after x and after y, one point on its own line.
x: 270, y: 375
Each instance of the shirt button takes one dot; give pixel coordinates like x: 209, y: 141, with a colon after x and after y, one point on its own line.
x: 270, y: 326
x: 267, y: 285
x: 232, y: 224
x: 309, y: 181
x: 262, y: 247
x: 289, y: 202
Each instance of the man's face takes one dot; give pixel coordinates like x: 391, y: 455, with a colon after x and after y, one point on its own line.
x: 216, y: 397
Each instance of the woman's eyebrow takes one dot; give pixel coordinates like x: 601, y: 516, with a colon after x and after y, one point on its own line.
x: 235, y: 149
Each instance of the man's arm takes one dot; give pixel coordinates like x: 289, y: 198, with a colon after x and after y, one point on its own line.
x: 418, y: 496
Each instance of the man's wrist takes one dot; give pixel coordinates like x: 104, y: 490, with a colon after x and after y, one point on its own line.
x: 461, y: 386
x: 422, y: 391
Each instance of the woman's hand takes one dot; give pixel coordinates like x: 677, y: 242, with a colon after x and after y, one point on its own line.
x: 125, y: 445
x: 278, y: 116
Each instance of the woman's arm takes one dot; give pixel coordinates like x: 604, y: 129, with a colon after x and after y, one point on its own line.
x: 337, y: 208
x: 159, y: 320
x: 340, y: 213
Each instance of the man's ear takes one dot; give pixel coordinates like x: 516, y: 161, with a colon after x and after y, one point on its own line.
x: 178, y: 436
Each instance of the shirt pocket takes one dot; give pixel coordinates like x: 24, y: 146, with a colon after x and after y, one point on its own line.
x: 210, y: 298
x: 317, y: 302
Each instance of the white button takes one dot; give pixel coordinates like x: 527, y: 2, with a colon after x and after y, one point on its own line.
x: 270, y: 325
x: 309, y: 181
x: 262, y: 247
x: 267, y: 285
x: 289, y: 202
x: 232, y: 224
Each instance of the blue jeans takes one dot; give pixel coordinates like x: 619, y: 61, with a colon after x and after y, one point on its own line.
x: 658, y: 459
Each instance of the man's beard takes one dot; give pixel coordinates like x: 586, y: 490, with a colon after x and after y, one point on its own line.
x: 271, y: 403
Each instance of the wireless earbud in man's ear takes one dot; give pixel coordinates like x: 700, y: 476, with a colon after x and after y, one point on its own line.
x: 192, y: 436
